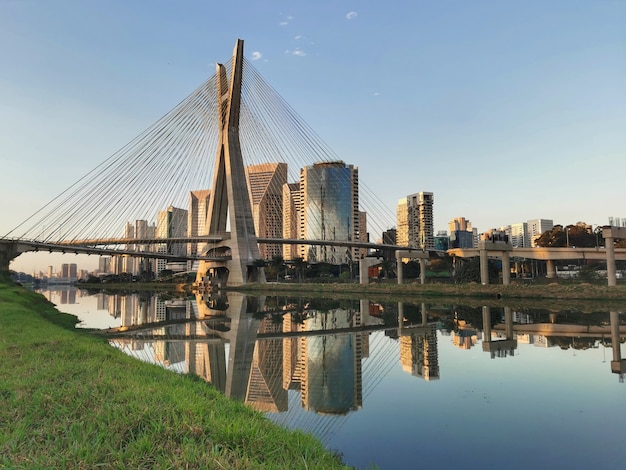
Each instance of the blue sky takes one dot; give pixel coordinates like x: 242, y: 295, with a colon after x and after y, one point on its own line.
x: 505, y: 110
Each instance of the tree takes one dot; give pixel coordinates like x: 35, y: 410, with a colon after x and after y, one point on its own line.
x: 299, y: 264
x: 277, y: 265
x: 552, y: 238
x: 470, y: 271
x: 579, y: 235
x: 388, y: 268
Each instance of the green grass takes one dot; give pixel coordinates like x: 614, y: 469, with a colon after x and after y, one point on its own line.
x: 69, y: 400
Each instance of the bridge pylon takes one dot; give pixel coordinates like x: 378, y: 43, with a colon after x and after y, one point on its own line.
x: 229, y: 205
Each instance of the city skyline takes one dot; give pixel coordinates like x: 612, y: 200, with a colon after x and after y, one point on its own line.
x: 510, y: 113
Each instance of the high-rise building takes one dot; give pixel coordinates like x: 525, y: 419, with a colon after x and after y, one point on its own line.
x: 518, y: 235
x: 171, y: 223
x: 197, y: 218
x: 291, y: 216
x: 442, y: 241
x: 462, y: 234
x: 419, y: 354
x: 329, y: 194
x: 415, y: 221
x: 363, y: 235
x: 265, y: 185
x: 536, y: 227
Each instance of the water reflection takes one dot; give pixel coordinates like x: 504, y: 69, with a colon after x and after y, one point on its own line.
x: 332, y: 367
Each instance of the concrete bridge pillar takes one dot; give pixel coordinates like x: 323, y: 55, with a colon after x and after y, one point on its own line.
x: 610, y: 261
x: 551, y: 274
x: 610, y: 234
x: 413, y: 254
x: 486, y: 323
x: 364, y: 264
x: 399, y: 267
x: 484, y: 266
x: 501, y: 248
x: 8, y: 252
x: 508, y: 322
x: 506, y: 268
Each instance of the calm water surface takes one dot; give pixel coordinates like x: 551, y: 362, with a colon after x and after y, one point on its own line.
x: 447, y: 386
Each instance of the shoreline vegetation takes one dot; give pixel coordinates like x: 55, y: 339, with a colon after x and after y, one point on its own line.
x: 553, y: 290
x: 581, y: 296
x: 70, y: 400
x: 561, y: 294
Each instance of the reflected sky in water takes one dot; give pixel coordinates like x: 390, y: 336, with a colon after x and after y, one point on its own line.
x: 427, y: 394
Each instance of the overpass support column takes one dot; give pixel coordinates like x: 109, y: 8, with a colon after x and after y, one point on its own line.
x: 422, y: 271
x: 610, y: 261
x: 399, y: 267
x: 8, y: 252
x: 508, y: 322
x: 363, y: 272
x: 484, y: 266
x: 486, y: 323
x: 551, y: 274
x: 506, y: 268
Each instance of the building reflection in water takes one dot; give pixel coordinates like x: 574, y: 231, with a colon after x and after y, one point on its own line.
x: 418, y: 346
x: 259, y: 356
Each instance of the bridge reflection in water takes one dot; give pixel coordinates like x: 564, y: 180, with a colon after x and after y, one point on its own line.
x: 331, y: 367
x: 257, y: 351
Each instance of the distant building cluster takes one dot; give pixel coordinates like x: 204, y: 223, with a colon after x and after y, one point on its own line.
x: 67, y: 274
x: 323, y: 205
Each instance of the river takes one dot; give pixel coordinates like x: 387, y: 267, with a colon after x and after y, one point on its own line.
x: 398, y: 385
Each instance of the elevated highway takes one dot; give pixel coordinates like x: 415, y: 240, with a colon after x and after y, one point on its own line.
x: 504, y: 250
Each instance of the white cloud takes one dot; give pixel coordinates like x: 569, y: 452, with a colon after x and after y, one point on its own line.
x: 256, y: 55
x: 286, y: 21
x: 298, y: 37
x: 297, y: 52
x: 376, y: 93
x: 351, y: 15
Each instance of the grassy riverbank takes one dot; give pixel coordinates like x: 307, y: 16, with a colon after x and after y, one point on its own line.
x: 552, y: 290
x: 69, y: 400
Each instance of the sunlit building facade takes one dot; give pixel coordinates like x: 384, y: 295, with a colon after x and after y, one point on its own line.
x: 330, y: 211
x: 197, y: 218
x: 415, y: 224
x: 265, y: 186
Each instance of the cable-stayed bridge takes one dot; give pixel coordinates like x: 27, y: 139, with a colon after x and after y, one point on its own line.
x: 224, y: 139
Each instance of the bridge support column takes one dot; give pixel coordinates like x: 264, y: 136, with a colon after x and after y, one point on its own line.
x: 486, y: 323
x: 618, y: 365
x: 484, y: 266
x: 610, y: 234
x: 364, y: 264
x: 551, y: 274
x: 422, y: 271
x: 508, y: 322
x: 8, y: 252
x: 610, y: 261
x: 399, y: 268
x: 506, y: 268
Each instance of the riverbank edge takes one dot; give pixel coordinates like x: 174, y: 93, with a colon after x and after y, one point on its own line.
x: 582, y: 291
x: 71, y: 400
